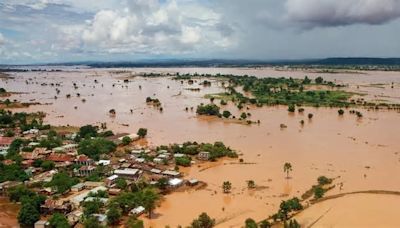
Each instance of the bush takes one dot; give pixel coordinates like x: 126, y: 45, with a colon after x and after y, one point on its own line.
x: 142, y: 132
x: 209, y: 109
x: 322, y: 180
x: 226, y: 114
x: 318, y: 192
x: 183, y: 161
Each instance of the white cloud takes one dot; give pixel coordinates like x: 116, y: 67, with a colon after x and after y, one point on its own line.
x: 2, y: 40
x: 325, y: 13
x: 155, y: 28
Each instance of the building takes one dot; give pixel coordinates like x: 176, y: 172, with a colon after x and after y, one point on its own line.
x: 57, y: 157
x: 87, y: 170
x: 204, y: 155
x: 51, y: 206
x: 5, y: 143
x: 132, y: 174
x: 111, y: 180
x: 104, y: 162
x: 175, y: 182
x: 171, y: 173
x: 83, y: 160
x: 78, y: 187
x: 42, y: 224
x: 137, y: 211
x: 81, y: 197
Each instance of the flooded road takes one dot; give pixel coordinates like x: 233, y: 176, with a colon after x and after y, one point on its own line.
x: 362, y: 153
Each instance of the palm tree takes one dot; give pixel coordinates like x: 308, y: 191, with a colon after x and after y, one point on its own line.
x: 227, y: 186
x: 287, y: 167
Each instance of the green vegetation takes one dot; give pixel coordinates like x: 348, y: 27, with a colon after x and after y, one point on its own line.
x: 251, y: 184
x: 58, y: 220
x: 250, y: 223
x: 113, y: 215
x: 129, y: 200
x: 142, y: 132
x: 203, y: 221
x: 24, y: 120
x: 183, y: 161
x: 287, y: 168
x: 216, y: 150
x: 62, y: 182
x: 133, y: 222
x: 126, y: 140
x: 13, y: 172
x: 291, y: 224
x: 287, y: 207
x: 93, y: 148
x: 226, y: 114
x: 208, y: 109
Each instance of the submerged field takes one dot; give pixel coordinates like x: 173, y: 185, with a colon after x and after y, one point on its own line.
x: 359, y: 152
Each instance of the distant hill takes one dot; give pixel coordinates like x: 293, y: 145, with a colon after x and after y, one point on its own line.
x: 345, y: 62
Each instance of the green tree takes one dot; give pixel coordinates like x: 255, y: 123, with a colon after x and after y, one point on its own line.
x: 134, y: 223
x: 287, y: 167
x: 87, y: 131
x: 203, y: 221
x: 291, y: 108
x: 318, y: 192
x: 96, y: 147
x: 113, y: 215
x: 149, y: 198
x: 291, y: 224
x: 92, y: 222
x: 251, y: 184
x: 250, y: 223
x: 58, y: 220
x: 265, y: 224
x: 226, y: 114
x: 226, y: 187
x: 341, y: 112
x: 92, y: 207
x: 319, y: 80
x: 243, y: 116
x: 121, y: 183
x: 28, y: 215
x: 142, y: 132
x: 47, y: 165
x: 126, y: 140
x: 62, y: 182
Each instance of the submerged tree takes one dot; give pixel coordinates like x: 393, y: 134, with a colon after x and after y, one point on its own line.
x: 287, y: 167
x: 226, y: 186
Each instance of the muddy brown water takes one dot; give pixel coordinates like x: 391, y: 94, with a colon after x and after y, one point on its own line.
x: 363, y: 152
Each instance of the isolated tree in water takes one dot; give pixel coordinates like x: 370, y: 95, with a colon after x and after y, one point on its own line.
x: 287, y: 167
x: 226, y: 186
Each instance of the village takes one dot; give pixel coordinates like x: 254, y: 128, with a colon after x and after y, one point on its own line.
x: 84, y: 176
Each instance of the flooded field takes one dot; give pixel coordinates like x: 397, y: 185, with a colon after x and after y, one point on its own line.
x: 360, y: 153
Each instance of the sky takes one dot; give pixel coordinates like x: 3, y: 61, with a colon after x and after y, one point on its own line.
x: 51, y: 31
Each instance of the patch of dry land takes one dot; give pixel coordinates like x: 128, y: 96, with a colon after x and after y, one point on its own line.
x: 362, y: 153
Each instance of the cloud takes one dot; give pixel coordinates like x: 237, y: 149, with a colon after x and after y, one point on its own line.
x: 329, y: 13
x: 155, y: 28
x: 2, y: 40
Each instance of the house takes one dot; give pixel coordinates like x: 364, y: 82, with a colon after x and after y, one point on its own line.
x: 81, y: 197
x: 78, y: 187
x: 51, y: 206
x: 171, y: 173
x: 86, y: 170
x: 137, y: 211
x: 69, y: 148
x: 4, y: 186
x: 204, y: 155
x: 133, y: 137
x: 74, y: 217
x: 57, y: 157
x: 90, y: 199
x: 140, y: 160
x: 101, y: 218
x: 111, y: 180
x: 114, y: 191
x: 104, y: 162
x: 158, y: 161
x: 192, y: 182
x: 83, y: 160
x: 5, y: 143
x: 155, y: 171
x: 179, y: 155
x: 42, y: 224
x: 175, y: 182
x: 34, y: 155
x: 31, y: 132
x: 132, y: 174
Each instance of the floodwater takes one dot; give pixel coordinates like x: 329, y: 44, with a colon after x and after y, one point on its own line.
x: 362, y: 210
x: 361, y: 153
x: 8, y: 213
